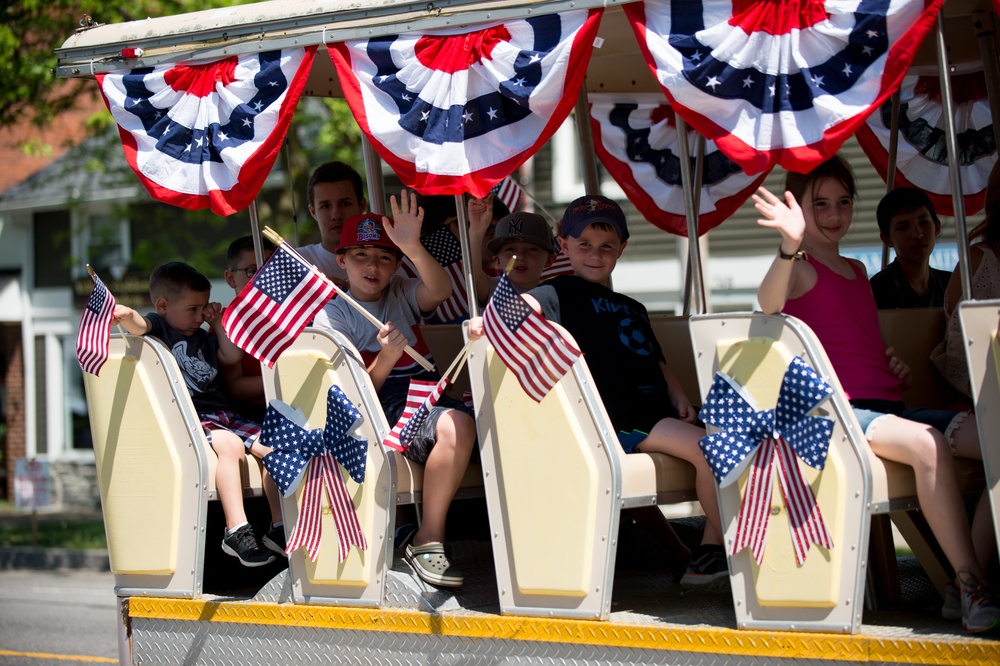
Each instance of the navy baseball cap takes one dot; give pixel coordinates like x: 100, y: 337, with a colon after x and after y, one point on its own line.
x: 526, y: 227
x: 583, y: 212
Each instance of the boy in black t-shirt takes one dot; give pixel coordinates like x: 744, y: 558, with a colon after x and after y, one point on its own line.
x: 646, y: 404
x: 909, y: 225
x: 180, y: 295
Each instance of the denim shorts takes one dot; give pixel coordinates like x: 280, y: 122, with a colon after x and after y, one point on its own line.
x: 868, y: 413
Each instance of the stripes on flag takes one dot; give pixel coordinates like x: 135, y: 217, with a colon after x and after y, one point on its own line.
x: 446, y: 250
x: 420, y: 397
x: 527, y: 343
x: 274, y: 307
x: 508, y: 192
x: 95, y: 328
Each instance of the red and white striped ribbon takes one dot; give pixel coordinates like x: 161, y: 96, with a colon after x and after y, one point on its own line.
x: 323, y: 472
x: 804, y: 515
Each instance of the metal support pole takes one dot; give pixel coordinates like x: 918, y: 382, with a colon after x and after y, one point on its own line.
x: 694, y: 285
x: 591, y: 180
x: 890, y: 172
x: 373, y: 173
x: 463, y: 238
x: 258, y: 247
x: 985, y: 25
x: 951, y: 142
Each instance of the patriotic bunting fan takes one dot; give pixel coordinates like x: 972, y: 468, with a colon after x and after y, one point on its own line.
x: 921, y: 154
x: 779, y: 82
x: 636, y: 139
x: 454, y: 111
x: 748, y: 437
x: 206, y: 134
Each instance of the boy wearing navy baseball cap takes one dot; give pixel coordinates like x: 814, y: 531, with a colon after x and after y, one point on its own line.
x: 645, y: 403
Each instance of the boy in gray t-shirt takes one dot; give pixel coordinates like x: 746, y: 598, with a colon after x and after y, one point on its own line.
x: 370, y: 251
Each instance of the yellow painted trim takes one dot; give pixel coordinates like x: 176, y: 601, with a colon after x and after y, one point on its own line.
x: 787, y: 645
x: 57, y: 657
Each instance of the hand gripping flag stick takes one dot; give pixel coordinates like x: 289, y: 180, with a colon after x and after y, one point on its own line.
x: 272, y: 236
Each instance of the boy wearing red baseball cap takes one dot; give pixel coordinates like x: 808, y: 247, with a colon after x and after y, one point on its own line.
x: 371, y: 250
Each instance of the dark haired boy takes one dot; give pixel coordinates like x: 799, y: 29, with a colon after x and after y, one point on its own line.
x: 909, y: 225
x: 180, y: 295
x: 334, y: 194
x: 646, y: 404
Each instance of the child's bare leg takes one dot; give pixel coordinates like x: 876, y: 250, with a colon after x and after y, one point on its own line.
x: 443, y: 471
x: 230, y: 450
x: 273, y: 496
x: 966, y: 441
x: 680, y: 439
x: 925, y: 450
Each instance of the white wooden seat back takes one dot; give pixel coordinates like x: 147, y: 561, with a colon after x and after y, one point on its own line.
x: 556, y: 480
x: 153, y: 469
x: 302, y: 377
x: 979, y: 329
x: 825, y: 593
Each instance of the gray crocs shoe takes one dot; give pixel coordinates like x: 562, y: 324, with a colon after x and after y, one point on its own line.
x: 432, y: 565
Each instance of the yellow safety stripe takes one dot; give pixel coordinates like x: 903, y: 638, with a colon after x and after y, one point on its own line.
x: 786, y: 645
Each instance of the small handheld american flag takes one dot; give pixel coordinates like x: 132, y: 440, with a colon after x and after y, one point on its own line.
x: 528, y: 344
x: 274, y: 307
x: 95, y: 328
x: 508, y: 192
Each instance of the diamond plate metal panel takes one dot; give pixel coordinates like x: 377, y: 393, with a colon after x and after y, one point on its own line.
x: 172, y: 642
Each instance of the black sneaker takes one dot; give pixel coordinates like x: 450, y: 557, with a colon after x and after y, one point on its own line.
x: 275, y: 540
x: 707, y: 568
x: 242, y: 544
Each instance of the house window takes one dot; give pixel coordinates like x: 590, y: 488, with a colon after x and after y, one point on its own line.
x: 567, y: 168
x: 104, y: 243
x: 51, y: 240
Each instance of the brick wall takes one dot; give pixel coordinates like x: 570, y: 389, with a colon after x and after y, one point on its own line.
x: 13, y: 381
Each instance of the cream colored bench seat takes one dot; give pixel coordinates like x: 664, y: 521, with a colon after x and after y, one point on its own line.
x: 556, y: 481
x: 825, y: 593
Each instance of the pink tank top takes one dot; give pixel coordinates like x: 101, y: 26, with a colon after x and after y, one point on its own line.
x: 842, y: 314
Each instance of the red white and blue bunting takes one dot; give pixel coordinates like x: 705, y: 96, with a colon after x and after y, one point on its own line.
x: 206, y: 134
x: 921, y: 153
x: 636, y: 139
x: 779, y: 83
x: 453, y: 110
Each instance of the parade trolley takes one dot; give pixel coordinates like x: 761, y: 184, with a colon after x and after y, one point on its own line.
x: 542, y: 588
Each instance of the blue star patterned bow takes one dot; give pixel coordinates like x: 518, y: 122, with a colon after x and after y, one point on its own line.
x: 743, y: 427
x: 786, y: 433
x: 294, y: 446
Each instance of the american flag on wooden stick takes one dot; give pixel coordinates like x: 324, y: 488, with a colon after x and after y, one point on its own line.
x: 420, y: 398
x: 446, y: 250
x: 95, y: 328
x: 530, y: 346
x: 508, y: 192
x: 274, y: 307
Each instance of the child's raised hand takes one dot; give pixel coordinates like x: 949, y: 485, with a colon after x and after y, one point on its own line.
x: 785, y: 216
x: 480, y: 214
x: 407, y: 218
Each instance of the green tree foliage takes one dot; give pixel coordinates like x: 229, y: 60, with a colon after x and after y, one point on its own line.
x: 31, y: 30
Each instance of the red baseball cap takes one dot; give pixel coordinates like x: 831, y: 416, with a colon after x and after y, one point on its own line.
x: 365, y: 230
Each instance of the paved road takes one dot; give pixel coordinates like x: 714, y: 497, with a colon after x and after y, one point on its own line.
x: 57, y: 618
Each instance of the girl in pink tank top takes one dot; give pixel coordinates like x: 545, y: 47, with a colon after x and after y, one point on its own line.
x: 809, y: 279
